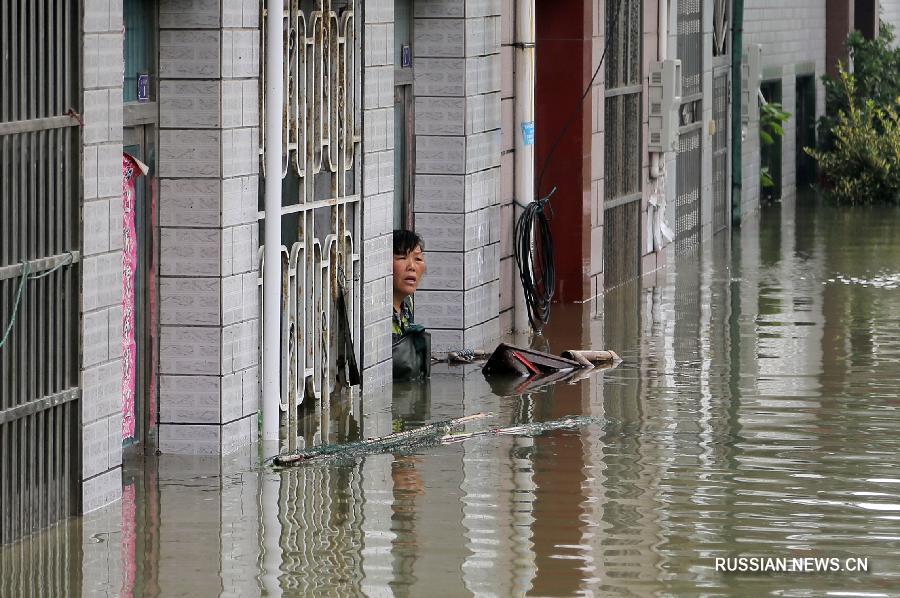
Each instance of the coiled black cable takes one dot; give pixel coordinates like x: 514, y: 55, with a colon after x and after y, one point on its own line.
x: 535, y: 255
x: 535, y: 259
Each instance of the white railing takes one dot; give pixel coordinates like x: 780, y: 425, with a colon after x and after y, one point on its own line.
x: 321, y: 158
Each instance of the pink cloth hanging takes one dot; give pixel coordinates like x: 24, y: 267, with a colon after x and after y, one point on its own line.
x: 131, y: 169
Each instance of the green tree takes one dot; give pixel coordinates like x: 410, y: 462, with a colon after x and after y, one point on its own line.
x: 862, y: 166
x: 876, y: 70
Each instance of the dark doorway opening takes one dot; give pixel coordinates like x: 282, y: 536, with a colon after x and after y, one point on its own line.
x: 805, y: 114
x: 770, y: 153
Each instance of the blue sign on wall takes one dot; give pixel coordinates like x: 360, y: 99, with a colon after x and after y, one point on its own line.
x: 405, y: 56
x: 143, y: 87
x: 528, y: 132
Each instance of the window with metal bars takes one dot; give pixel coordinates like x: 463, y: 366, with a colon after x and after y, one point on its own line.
x: 690, y: 46
x: 622, y: 142
x: 721, y: 22
x: 40, y: 180
x: 622, y: 106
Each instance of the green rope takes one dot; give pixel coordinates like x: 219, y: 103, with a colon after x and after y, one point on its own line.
x: 26, y: 276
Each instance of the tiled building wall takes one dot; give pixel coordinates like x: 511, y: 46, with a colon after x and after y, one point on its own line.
x: 457, y: 92
x: 209, y: 176
x: 890, y: 13
x: 793, y: 38
x: 102, y: 250
x: 377, y: 190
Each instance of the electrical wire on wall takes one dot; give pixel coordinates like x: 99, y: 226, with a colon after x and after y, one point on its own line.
x: 532, y: 237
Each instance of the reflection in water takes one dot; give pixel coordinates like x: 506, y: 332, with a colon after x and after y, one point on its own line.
x: 754, y: 414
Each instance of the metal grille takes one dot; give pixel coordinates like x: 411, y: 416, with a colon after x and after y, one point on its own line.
x: 687, y: 198
x: 623, y: 59
x: 721, y: 17
x: 721, y: 88
x: 320, y: 214
x: 39, y: 237
x: 621, y: 240
x: 622, y: 144
x: 690, y: 46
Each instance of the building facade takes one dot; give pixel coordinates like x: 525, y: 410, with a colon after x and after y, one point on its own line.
x: 396, y: 113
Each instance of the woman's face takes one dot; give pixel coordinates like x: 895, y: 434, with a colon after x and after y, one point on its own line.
x: 408, y: 271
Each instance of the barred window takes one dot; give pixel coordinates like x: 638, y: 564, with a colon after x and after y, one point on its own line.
x: 622, y: 106
x: 622, y: 143
x: 721, y: 23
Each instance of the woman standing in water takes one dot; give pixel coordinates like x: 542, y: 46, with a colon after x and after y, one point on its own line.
x: 411, y: 344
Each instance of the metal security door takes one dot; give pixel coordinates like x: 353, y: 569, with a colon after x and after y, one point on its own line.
x: 320, y: 217
x: 689, y: 158
x: 622, y: 145
x: 721, y: 87
x: 40, y: 181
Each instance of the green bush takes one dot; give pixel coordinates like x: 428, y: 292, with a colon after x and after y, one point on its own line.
x: 862, y: 164
x: 876, y: 71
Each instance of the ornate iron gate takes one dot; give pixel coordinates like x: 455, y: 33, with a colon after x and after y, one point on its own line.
x: 321, y: 178
x: 622, y: 145
x: 690, y: 154
x: 40, y: 181
x: 721, y: 211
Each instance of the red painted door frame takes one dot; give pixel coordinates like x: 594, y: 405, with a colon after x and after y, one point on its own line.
x: 563, y: 71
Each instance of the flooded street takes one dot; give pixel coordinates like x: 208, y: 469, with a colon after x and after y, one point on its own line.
x: 754, y: 414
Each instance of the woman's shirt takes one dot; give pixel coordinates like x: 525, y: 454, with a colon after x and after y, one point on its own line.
x: 402, y: 320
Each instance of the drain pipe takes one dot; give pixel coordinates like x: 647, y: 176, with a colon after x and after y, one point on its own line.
x: 271, y: 399
x: 737, y: 47
x: 524, y: 136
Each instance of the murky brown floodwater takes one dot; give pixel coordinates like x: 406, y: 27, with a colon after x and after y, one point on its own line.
x: 755, y: 414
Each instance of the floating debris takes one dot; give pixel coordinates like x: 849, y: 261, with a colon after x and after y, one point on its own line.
x: 573, y: 422
x: 421, y: 436
x: 428, y: 435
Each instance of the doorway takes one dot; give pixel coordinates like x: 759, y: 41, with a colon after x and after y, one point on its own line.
x: 404, y: 127
x: 806, y: 129
x: 770, y: 153
x: 140, y: 224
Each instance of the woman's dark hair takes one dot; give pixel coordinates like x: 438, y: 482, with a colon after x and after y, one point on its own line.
x: 406, y: 241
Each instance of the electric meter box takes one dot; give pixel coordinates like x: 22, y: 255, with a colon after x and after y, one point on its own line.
x: 752, y: 75
x: 664, y: 96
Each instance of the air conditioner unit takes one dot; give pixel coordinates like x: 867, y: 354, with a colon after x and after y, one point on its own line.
x: 750, y: 79
x: 664, y: 97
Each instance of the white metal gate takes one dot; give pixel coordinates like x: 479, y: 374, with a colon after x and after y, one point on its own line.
x: 689, y: 159
x: 320, y: 217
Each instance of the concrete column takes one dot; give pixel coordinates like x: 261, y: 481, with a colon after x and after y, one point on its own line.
x: 377, y: 190
x: 209, y: 178
x: 457, y: 186
x: 103, y: 237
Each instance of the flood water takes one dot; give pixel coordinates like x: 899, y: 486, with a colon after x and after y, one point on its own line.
x: 754, y: 414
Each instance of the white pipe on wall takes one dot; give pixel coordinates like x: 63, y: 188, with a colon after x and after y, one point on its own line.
x: 271, y: 399
x: 523, y: 134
